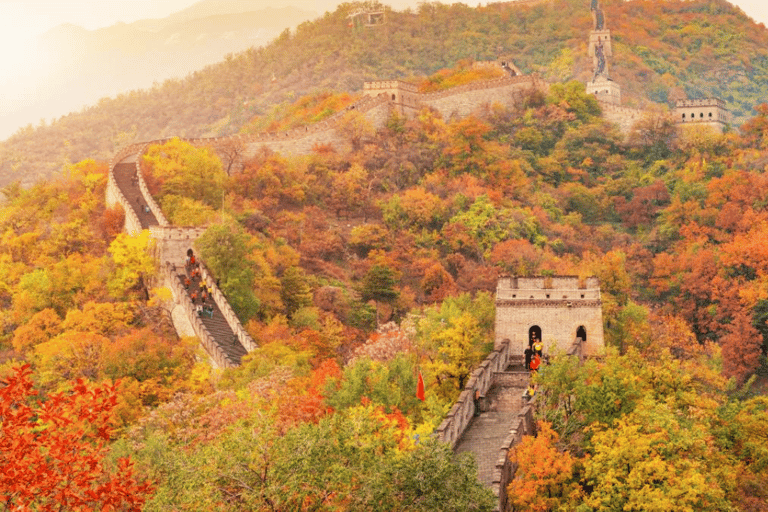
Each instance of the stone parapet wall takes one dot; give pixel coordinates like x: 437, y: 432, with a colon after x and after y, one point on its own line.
x: 504, y: 472
x: 227, y: 312
x: 173, y: 243
x: 466, y: 99
x: 624, y: 117
x: 458, y: 418
x: 218, y: 357
x: 146, y: 195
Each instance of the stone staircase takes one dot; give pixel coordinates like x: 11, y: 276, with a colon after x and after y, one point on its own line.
x: 214, y: 321
x: 216, y: 325
x: 495, y: 417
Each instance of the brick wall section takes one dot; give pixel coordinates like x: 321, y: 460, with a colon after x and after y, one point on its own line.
x: 149, y: 200
x: 462, y: 412
x: 218, y: 357
x: 115, y: 196
x: 624, y: 117
x: 173, y: 243
x: 464, y: 100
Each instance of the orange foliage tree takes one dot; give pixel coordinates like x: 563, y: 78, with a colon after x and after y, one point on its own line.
x: 545, y: 476
x: 54, y: 450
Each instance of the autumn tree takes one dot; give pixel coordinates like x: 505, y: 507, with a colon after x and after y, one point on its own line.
x: 54, y: 450
x: 546, y: 477
x: 295, y: 292
x: 133, y: 262
x: 179, y: 168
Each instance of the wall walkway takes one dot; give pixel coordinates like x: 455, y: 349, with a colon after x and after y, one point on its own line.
x: 218, y: 328
x: 491, y: 417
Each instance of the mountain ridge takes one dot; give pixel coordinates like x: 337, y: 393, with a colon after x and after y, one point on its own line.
x: 663, y: 50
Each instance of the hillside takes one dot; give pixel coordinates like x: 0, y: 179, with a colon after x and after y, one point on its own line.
x: 662, y: 51
x: 414, y: 225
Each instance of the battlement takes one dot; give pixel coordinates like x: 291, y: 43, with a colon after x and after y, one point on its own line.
x: 568, y: 288
x: 605, y: 90
x: 708, y: 111
x: 706, y: 102
x: 379, y: 86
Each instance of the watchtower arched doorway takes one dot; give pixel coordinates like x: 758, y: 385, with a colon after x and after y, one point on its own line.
x: 533, y: 332
x: 581, y: 332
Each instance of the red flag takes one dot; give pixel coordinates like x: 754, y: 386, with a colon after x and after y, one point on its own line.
x: 420, y: 388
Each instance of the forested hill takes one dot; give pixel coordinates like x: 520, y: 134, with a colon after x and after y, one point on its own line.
x: 662, y: 51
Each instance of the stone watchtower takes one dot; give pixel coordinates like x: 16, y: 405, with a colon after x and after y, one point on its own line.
x: 556, y: 309
x: 710, y: 112
x: 600, y: 50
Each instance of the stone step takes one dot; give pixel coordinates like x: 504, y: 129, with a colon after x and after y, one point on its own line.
x: 217, y: 325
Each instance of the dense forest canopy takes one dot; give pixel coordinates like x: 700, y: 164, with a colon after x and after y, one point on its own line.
x: 357, y: 272
x: 413, y: 227
x: 662, y: 51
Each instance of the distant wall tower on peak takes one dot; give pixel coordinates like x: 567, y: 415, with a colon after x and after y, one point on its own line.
x: 711, y: 112
x: 600, y: 50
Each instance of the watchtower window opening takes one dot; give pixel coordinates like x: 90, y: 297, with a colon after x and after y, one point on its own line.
x: 534, y: 333
x: 393, y: 97
x: 581, y: 332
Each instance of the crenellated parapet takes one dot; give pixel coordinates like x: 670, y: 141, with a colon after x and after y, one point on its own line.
x: 710, y: 112
x: 553, y: 309
x: 458, y: 418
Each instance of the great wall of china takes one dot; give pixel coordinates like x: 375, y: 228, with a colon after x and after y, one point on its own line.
x: 495, y: 387
x: 490, y: 417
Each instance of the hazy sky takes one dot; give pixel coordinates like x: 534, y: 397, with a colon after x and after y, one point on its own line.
x: 20, y: 18
x: 23, y: 20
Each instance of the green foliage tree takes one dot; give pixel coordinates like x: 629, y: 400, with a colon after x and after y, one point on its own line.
x: 295, y: 292
x: 391, y: 384
x: 379, y: 286
x: 225, y: 249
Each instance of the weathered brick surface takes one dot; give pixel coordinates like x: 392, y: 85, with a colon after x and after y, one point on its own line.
x: 558, y: 306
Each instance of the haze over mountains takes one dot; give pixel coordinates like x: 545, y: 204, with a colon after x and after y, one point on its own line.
x: 71, y: 67
x: 663, y: 50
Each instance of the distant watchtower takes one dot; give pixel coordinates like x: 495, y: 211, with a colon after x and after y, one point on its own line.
x: 600, y: 50
x: 555, y: 310
x: 710, y: 112
x: 404, y: 96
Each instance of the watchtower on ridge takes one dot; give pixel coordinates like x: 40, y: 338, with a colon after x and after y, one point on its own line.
x: 556, y: 310
x: 600, y: 50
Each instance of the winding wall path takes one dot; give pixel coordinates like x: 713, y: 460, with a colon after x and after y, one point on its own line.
x: 220, y: 332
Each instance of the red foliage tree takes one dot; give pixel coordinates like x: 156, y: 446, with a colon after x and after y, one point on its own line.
x: 54, y: 450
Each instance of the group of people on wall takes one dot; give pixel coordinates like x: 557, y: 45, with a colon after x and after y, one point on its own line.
x: 533, y: 355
